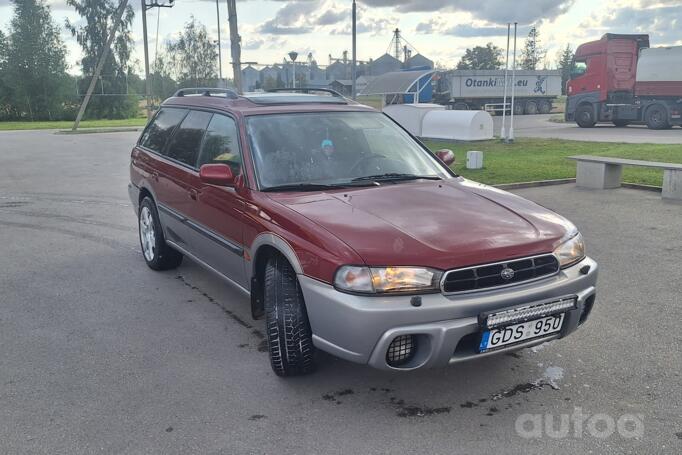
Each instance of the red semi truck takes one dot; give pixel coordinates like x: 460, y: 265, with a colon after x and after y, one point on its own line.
x: 619, y: 79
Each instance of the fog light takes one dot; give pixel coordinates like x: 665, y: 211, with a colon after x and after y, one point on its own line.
x: 401, y: 350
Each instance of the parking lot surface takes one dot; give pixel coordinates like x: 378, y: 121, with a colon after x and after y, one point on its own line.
x: 540, y: 126
x: 99, y: 354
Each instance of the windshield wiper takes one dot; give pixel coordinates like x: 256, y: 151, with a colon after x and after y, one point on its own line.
x: 393, y: 176
x: 316, y: 186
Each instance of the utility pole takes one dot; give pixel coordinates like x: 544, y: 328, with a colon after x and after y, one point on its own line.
x: 147, y: 81
x: 100, y: 63
x: 220, y: 58
x: 354, y: 73
x: 235, y: 45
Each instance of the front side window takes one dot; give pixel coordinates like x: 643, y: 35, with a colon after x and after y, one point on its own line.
x: 334, y: 148
x: 578, y: 69
x: 158, y: 132
x: 186, y: 141
x: 221, y: 144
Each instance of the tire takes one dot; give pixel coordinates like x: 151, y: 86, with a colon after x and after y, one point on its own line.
x: 531, y: 108
x: 584, y: 116
x: 156, y: 253
x: 621, y: 123
x: 460, y: 106
x: 290, y: 339
x: 544, y: 106
x: 657, y: 117
x: 519, y: 107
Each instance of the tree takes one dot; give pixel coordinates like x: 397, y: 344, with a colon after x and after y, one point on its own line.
x: 92, y: 34
x: 533, y: 53
x: 36, y: 84
x: 564, y: 62
x: 192, y: 58
x: 4, y: 92
x: 481, y: 58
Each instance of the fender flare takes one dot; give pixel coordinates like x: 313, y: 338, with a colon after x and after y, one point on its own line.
x: 284, y: 248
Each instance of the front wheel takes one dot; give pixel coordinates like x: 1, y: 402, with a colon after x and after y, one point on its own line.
x: 290, y: 339
x: 157, y: 254
x: 584, y: 117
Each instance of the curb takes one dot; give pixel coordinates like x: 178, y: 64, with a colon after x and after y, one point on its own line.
x: 540, y: 183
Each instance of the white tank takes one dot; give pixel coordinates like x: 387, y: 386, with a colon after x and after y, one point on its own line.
x: 458, y: 125
x: 410, y: 116
x: 660, y: 64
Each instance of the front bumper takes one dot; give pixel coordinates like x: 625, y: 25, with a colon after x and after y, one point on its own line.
x: 360, y: 328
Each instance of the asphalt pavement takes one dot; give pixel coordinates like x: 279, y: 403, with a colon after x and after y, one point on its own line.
x: 540, y: 126
x: 99, y: 354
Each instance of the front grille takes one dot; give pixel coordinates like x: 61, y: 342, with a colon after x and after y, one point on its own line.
x: 498, y: 274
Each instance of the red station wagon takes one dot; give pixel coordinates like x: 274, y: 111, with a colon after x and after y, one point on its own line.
x: 349, y: 235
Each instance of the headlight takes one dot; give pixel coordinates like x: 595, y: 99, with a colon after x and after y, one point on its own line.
x: 387, y: 279
x: 571, y: 251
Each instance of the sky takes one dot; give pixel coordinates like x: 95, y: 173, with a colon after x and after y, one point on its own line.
x: 439, y: 29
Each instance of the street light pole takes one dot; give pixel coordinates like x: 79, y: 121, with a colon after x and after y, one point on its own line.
x: 511, y: 120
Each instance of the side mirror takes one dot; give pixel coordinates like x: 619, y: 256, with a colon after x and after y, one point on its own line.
x: 217, y: 174
x: 446, y: 156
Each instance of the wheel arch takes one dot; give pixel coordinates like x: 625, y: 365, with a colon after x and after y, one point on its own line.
x: 263, y: 248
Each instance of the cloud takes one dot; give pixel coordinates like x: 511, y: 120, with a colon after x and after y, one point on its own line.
x: 662, y: 23
x: 494, y: 11
x: 291, y: 19
x: 331, y: 16
x: 271, y: 27
x: 464, y: 30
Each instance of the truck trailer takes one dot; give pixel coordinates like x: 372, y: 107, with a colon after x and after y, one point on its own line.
x: 620, y: 79
x: 534, y: 91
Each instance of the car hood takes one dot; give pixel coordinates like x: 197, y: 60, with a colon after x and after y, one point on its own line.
x: 442, y: 224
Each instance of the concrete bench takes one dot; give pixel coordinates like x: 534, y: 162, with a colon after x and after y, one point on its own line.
x: 602, y: 172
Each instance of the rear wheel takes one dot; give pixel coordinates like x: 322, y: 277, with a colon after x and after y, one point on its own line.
x: 460, y: 106
x: 519, y: 107
x: 584, y: 116
x: 157, y: 254
x: 290, y: 339
x: 657, y: 117
x: 621, y: 123
x: 544, y: 106
x: 531, y: 108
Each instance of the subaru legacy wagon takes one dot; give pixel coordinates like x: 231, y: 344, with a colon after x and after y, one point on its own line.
x: 348, y: 235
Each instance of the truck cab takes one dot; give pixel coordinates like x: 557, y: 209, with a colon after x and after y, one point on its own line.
x: 602, y: 80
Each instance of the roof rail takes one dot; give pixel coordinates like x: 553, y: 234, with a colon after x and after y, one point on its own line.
x: 206, y: 91
x: 333, y: 93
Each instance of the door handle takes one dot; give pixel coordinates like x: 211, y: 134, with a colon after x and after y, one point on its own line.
x: 193, y: 194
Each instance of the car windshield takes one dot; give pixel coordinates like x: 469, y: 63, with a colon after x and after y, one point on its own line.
x: 307, y: 150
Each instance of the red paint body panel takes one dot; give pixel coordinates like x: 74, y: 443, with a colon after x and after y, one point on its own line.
x: 611, y: 67
x: 659, y: 89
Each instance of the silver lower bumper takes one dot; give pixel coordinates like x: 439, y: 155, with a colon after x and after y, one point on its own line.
x: 360, y: 328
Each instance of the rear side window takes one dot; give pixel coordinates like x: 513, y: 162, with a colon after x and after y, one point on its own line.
x: 221, y: 144
x: 156, y: 135
x: 186, y: 141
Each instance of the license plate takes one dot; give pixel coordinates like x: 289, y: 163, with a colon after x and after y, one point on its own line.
x: 510, y: 334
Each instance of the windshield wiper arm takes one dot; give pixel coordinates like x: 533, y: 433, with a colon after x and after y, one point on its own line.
x: 300, y: 187
x: 393, y: 176
x: 315, y: 186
